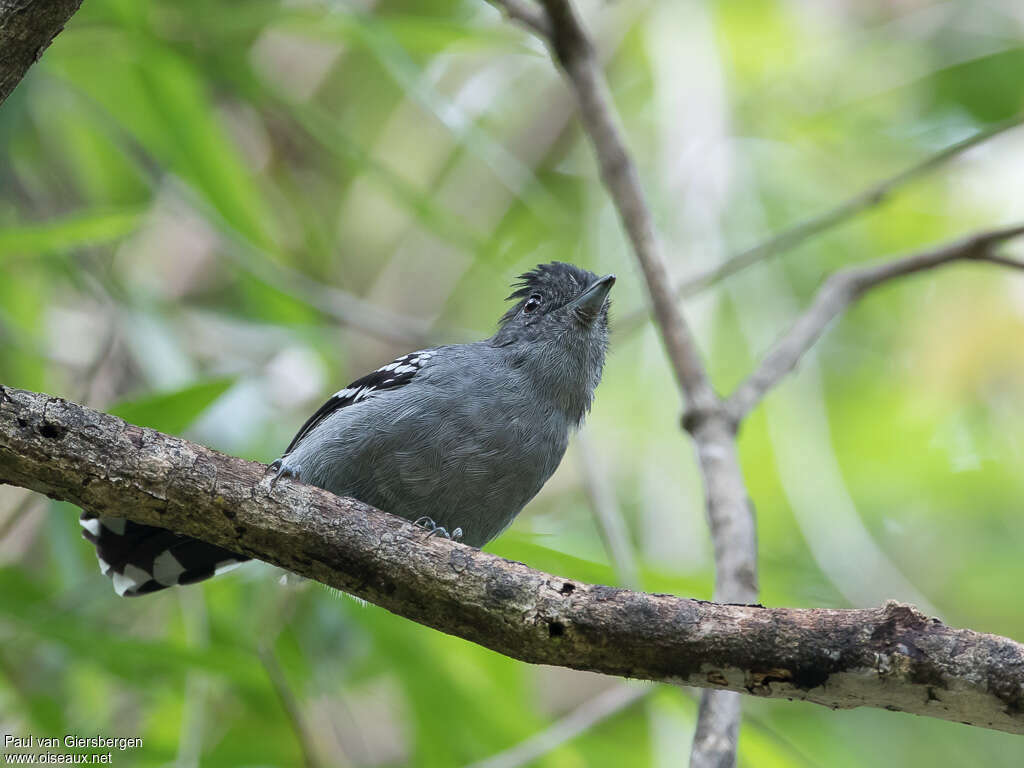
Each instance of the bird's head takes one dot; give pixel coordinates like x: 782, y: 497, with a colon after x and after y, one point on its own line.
x: 557, y: 300
x: 559, y: 327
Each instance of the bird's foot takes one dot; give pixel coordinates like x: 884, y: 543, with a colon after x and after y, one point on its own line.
x: 282, y: 471
x: 436, y: 530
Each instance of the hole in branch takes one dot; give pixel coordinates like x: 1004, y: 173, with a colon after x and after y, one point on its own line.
x: 52, y: 431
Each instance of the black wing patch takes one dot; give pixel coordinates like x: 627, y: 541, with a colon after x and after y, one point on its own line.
x: 397, y: 373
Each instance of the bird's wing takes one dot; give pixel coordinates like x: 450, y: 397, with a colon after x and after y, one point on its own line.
x: 397, y: 373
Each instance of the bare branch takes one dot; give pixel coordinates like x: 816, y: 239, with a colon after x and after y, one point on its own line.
x: 583, y: 718
x: 346, y: 308
x: 574, y: 52
x: 734, y: 537
x: 1003, y: 261
x: 891, y: 657
x: 16, y: 513
x: 793, y: 236
x: 729, y: 511
x: 290, y: 703
x: 27, y: 27
x: 843, y: 289
x: 610, y: 523
x: 718, y: 730
x: 868, y: 198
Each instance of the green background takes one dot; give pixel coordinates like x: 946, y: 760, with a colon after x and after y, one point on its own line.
x: 186, y: 187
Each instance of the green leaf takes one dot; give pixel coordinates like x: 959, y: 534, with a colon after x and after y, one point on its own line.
x: 172, y: 412
x: 59, y: 235
x: 988, y: 87
x: 24, y: 606
x: 162, y: 101
x: 420, y: 34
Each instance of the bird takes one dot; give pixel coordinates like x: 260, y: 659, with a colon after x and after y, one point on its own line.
x: 456, y: 438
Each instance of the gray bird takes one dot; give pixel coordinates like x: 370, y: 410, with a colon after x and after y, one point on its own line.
x: 456, y: 438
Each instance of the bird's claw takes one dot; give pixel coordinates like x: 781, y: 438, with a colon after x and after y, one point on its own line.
x: 437, y: 530
x: 455, y: 535
x: 282, y: 471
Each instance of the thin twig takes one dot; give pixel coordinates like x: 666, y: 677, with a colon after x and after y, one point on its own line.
x: 290, y: 704
x: 92, y: 372
x: 843, y: 289
x: 589, y: 714
x: 1003, y: 261
x: 346, y: 308
x: 573, y: 50
x: 867, y: 198
x: 610, y: 523
x: 196, y: 700
x: 17, y: 512
x: 718, y: 730
x: 793, y: 236
x: 730, y: 514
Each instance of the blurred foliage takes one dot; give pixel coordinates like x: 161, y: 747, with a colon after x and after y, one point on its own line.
x: 181, y: 179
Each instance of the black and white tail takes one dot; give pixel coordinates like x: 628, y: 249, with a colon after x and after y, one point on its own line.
x: 143, y: 558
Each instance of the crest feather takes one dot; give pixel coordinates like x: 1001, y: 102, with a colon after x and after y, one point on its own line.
x: 557, y: 281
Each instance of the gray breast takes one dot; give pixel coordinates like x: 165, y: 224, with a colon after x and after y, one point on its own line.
x: 468, y: 452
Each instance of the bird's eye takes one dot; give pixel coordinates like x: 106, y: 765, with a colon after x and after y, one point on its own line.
x: 532, y: 303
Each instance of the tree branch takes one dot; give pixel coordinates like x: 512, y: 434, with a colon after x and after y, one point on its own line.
x: 798, y: 233
x: 844, y: 288
x: 27, y: 27
x: 607, y: 514
x: 718, y: 731
x: 346, y: 308
x: 290, y: 704
x: 574, y: 52
x: 583, y: 718
x: 730, y: 514
x: 891, y: 657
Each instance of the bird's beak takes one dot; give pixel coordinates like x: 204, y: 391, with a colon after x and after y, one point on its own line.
x: 588, y: 304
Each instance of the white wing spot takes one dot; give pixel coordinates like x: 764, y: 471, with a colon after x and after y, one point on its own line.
x: 92, y: 526
x: 132, y: 578
x: 167, y: 569
x: 226, y: 565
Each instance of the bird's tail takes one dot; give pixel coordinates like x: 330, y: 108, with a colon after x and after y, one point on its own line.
x: 144, y: 558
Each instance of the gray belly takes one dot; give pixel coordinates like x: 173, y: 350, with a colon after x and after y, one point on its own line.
x: 471, y: 464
